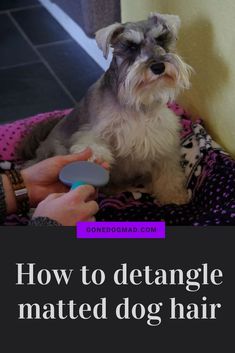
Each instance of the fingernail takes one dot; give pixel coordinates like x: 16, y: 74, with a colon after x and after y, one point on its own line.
x: 105, y: 165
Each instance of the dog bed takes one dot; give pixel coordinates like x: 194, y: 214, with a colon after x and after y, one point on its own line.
x: 209, y: 170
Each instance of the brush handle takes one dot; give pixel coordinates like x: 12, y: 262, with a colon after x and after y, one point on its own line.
x: 77, y: 184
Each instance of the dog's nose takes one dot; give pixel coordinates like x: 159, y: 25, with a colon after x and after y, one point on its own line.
x: 157, y: 68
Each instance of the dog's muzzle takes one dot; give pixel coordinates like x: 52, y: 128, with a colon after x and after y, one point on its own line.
x: 157, y: 68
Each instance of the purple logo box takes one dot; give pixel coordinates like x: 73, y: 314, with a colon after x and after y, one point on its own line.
x: 121, y: 230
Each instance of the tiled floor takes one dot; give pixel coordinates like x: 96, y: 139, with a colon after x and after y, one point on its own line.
x: 41, y: 67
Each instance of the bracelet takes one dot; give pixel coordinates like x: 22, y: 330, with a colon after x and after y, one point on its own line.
x: 20, y: 191
x: 3, y: 206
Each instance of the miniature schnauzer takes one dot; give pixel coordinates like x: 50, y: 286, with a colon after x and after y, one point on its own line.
x: 124, y: 117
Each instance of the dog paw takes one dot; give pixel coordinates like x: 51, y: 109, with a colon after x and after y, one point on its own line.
x: 100, y: 153
x: 77, y: 148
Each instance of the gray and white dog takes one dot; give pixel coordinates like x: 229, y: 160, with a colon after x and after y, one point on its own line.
x: 124, y: 117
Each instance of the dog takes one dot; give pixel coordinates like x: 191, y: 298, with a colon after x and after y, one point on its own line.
x: 124, y: 117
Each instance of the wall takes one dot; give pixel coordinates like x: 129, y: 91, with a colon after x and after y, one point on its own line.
x: 207, y: 42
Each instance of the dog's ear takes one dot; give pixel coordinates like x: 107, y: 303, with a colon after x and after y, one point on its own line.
x: 172, y: 21
x: 106, y: 35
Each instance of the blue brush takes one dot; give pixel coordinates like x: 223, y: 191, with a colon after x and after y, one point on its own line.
x: 82, y: 173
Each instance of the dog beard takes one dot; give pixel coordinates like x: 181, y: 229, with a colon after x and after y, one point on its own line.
x: 141, y: 88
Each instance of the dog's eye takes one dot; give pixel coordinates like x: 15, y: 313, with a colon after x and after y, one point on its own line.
x: 133, y: 47
x: 161, y: 39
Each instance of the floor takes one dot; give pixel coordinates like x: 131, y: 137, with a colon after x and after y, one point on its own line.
x: 41, y: 67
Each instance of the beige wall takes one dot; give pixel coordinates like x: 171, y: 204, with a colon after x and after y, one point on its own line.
x: 207, y: 42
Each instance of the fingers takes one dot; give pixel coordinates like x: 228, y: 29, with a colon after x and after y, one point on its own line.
x: 106, y: 165
x: 103, y: 164
x: 92, y: 207
x: 92, y: 219
x: 87, y: 211
x: 85, y: 155
x: 79, y: 197
x: 69, y: 208
x: 82, y: 156
x: 83, y: 211
x: 82, y: 193
x: 54, y: 196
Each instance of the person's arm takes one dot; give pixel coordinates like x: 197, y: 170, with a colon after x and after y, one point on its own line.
x: 8, y: 204
x: 42, y: 180
x: 56, y: 209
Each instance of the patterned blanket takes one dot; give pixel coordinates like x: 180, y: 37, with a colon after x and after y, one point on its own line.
x: 209, y: 170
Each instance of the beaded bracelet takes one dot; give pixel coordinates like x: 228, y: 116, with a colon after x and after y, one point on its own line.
x: 20, y: 191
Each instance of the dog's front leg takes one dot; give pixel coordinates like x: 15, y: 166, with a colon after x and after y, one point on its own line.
x: 169, y: 183
x: 100, y: 150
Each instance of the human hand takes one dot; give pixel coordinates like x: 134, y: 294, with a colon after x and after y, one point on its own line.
x: 42, y: 179
x: 69, y: 208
